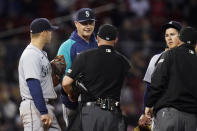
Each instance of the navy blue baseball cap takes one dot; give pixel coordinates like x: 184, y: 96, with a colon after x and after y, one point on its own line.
x: 41, y: 24
x: 188, y: 35
x: 84, y: 14
x: 108, y: 32
x: 171, y: 24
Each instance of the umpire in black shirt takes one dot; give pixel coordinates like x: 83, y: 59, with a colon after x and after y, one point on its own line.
x: 173, y: 90
x: 103, y: 70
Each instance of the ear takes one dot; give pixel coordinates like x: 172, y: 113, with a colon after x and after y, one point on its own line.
x: 42, y: 33
x: 45, y: 33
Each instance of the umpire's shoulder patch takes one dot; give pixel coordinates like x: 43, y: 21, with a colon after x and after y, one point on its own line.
x: 69, y: 70
x: 161, y: 61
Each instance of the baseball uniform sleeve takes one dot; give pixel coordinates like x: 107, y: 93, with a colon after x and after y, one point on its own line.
x: 37, y: 95
x: 32, y: 66
x: 151, y: 67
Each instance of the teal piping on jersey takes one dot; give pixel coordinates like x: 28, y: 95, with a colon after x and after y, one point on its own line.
x: 65, y: 49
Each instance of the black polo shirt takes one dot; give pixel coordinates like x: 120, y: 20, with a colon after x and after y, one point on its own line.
x: 173, y: 83
x: 103, y: 71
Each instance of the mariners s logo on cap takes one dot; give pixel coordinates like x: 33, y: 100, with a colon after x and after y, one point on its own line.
x: 84, y: 14
x: 87, y: 14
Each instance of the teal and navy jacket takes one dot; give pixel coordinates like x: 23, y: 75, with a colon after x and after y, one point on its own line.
x: 70, y: 49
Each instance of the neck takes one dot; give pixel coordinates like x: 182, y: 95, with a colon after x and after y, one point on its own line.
x: 180, y: 43
x: 38, y: 43
x: 100, y: 44
x: 86, y: 38
x: 104, y: 42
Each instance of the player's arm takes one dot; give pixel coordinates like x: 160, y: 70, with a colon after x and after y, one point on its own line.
x: 71, y: 75
x: 147, y: 79
x: 145, y: 121
x: 37, y: 95
x: 145, y: 96
x: 67, y: 86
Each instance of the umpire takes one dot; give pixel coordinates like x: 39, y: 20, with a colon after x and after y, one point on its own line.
x: 173, y: 92
x: 103, y: 71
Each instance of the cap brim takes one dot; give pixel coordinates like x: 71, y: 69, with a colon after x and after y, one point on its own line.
x: 86, y: 20
x: 53, y: 28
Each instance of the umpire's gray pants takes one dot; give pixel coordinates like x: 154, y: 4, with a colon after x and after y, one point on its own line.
x: 94, y: 118
x: 171, y: 119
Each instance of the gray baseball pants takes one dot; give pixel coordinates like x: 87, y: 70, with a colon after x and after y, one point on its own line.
x: 31, y: 117
x: 171, y: 119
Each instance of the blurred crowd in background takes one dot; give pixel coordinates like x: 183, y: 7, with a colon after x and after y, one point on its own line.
x: 138, y: 21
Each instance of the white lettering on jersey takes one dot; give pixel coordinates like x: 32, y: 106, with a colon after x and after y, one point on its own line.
x: 44, y: 70
x: 161, y: 60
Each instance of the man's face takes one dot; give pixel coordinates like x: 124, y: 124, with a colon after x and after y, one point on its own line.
x: 85, y: 28
x: 48, y: 36
x: 172, y: 38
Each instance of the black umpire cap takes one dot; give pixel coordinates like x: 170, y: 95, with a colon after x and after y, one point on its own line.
x: 84, y: 14
x: 41, y: 24
x: 188, y: 35
x: 171, y: 24
x: 107, y: 32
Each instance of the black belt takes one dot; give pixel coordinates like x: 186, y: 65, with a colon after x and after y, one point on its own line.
x: 50, y: 101
x: 47, y: 101
x: 106, y: 104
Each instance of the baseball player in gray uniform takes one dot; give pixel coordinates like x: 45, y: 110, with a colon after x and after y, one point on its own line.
x: 171, y: 32
x: 36, y: 86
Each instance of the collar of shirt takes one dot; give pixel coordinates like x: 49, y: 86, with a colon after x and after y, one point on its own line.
x: 191, y: 47
x: 37, y: 49
x: 106, y: 47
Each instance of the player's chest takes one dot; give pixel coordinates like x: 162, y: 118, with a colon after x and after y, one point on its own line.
x: 45, y: 66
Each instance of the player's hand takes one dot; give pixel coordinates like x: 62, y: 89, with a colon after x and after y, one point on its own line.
x: 69, y: 92
x: 149, y: 112
x: 144, y: 121
x: 46, y: 119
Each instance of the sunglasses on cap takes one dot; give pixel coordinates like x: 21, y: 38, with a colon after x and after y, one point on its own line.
x: 88, y: 22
